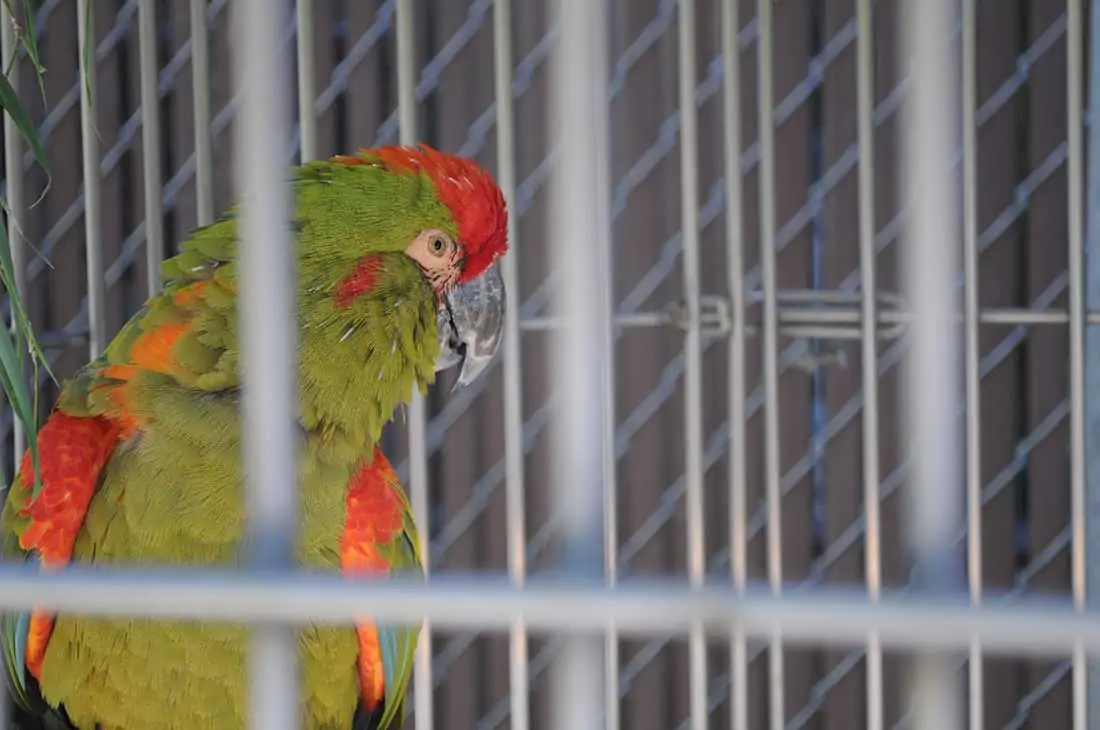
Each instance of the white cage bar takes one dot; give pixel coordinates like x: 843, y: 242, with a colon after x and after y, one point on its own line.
x: 770, y: 360
x: 735, y: 277
x: 89, y: 144
x: 269, y: 342
x: 518, y: 655
x: 1092, y: 345
x: 150, y: 144
x: 970, y: 622
x: 865, y: 102
x: 1075, y: 211
x: 929, y: 264
x: 417, y: 414
x: 461, y: 600
x: 693, y: 354
x: 971, y: 355
x: 580, y: 237
x: 307, y: 89
x: 200, y: 92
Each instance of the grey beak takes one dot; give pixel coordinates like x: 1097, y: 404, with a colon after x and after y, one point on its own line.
x: 471, y: 325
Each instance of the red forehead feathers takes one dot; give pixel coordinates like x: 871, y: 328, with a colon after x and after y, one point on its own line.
x: 474, y: 200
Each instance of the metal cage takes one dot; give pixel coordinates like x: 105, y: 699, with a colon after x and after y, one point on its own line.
x: 697, y: 433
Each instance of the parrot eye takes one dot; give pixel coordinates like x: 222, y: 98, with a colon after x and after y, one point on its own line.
x: 438, y: 246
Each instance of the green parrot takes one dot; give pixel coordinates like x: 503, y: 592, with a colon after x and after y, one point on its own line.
x: 140, y: 459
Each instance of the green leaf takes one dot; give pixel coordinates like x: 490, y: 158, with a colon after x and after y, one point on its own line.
x: 9, y: 101
x: 10, y: 366
x: 89, y: 58
x: 29, y: 39
x: 7, y: 277
x: 19, y: 341
x: 12, y: 375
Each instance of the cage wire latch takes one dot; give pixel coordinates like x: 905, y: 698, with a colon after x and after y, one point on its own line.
x: 814, y: 316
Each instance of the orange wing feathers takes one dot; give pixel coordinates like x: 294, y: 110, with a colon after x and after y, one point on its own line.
x: 374, y: 517
x: 72, y: 452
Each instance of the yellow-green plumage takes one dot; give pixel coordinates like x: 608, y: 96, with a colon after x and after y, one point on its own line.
x: 172, y: 492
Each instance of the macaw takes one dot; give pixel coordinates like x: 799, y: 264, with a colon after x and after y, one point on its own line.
x: 140, y: 463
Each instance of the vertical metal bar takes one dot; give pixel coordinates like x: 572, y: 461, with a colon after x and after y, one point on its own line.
x: 406, y: 74
x: 1092, y: 343
x: 612, y: 715
x: 928, y: 267
x: 865, y: 103
x: 693, y: 354
x: 97, y: 320
x: 972, y: 356
x: 150, y: 143
x: 518, y: 670
x: 200, y: 90
x: 1075, y: 160
x: 735, y: 220
x: 307, y: 91
x: 17, y: 202
x: 770, y: 347
x: 418, y: 420
x: 602, y: 172
x: 580, y: 223
x: 268, y: 339
x: 13, y: 175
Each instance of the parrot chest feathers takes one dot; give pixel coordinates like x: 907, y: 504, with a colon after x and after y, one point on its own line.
x: 357, y: 365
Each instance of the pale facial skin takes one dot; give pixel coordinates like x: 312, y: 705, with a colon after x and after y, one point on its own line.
x: 439, y: 257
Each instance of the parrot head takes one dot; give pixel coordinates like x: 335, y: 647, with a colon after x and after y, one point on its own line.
x: 441, y: 216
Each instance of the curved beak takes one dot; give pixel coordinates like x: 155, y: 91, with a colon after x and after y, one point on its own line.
x: 471, y: 325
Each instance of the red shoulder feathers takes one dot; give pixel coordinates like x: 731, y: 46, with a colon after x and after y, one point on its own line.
x: 474, y: 199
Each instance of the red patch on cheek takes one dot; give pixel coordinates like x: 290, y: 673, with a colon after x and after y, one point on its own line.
x: 358, y: 282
